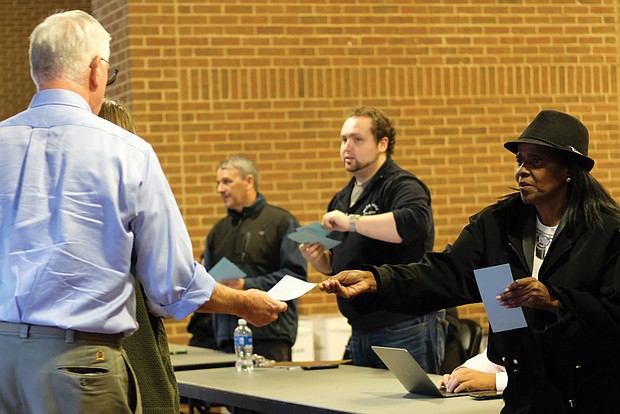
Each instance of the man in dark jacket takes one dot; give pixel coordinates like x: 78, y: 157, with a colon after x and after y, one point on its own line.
x: 253, y: 236
x: 382, y: 216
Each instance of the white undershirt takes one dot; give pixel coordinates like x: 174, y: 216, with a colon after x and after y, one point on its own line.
x: 358, y: 189
x: 543, y: 239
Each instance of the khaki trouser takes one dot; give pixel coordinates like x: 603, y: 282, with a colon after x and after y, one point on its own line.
x: 41, y: 374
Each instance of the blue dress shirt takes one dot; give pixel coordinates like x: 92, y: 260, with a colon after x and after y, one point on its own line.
x: 84, y: 209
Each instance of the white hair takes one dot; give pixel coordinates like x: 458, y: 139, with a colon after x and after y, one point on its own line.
x: 64, y: 45
x: 245, y: 166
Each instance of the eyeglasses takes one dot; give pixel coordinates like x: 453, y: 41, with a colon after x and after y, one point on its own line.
x: 112, y: 71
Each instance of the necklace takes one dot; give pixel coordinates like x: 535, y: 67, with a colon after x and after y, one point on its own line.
x: 543, y: 240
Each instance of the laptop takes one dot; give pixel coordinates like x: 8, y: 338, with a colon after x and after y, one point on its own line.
x: 407, y: 370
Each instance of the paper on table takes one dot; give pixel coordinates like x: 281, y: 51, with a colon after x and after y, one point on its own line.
x: 491, y: 282
x: 313, y: 233
x: 225, y: 269
x: 289, y: 288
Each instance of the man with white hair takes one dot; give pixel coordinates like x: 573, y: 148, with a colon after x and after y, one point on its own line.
x: 86, y: 210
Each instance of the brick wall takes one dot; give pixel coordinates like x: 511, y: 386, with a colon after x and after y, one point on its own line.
x: 272, y: 79
x: 17, y: 19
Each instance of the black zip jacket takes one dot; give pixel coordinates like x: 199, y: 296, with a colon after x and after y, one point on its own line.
x: 256, y: 241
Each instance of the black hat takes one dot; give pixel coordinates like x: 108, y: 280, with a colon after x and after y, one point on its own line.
x: 559, y: 131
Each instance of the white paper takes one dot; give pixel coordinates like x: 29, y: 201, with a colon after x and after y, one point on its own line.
x: 491, y: 282
x: 289, y: 288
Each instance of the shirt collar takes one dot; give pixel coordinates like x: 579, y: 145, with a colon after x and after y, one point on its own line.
x: 248, y: 211
x: 59, y: 97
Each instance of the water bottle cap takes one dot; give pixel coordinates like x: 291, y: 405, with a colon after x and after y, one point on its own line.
x: 242, y: 322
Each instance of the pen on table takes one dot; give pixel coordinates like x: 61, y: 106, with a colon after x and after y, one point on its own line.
x: 178, y: 351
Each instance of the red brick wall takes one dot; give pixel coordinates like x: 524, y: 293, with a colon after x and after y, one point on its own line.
x: 17, y: 19
x: 272, y: 79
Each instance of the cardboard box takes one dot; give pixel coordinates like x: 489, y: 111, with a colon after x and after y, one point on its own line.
x: 331, y: 336
x: 303, y: 350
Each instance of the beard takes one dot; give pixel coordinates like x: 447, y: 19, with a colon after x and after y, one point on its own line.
x: 355, y: 165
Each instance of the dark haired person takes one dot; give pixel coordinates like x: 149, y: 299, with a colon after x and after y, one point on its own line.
x: 560, y: 234
x: 383, y: 215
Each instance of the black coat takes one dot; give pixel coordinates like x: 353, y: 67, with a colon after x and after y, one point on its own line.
x: 558, y: 361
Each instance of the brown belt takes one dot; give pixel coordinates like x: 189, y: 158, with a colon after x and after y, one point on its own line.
x: 25, y: 330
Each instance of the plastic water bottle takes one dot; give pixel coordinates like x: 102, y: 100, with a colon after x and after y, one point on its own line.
x: 243, y: 347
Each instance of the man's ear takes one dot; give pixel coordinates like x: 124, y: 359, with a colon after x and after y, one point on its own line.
x: 95, y: 77
x: 383, y: 144
x: 250, y: 179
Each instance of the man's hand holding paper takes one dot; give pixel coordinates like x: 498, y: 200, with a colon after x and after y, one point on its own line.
x: 313, y: 233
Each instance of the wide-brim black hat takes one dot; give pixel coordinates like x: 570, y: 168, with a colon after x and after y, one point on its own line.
x: 559, y: 131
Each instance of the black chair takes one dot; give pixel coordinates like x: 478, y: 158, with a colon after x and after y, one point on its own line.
x: 462, y: 342
x: 470, y: 333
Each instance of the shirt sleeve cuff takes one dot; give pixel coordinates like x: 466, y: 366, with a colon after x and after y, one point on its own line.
x: 501, y: 380
x: 193, y: 296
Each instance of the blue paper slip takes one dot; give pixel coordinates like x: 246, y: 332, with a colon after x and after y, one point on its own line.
x: 225, y: 269
x: 491, y: 282
x: 313, y: 233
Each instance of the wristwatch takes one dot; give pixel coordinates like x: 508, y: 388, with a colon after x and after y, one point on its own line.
x: 353, y: 221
